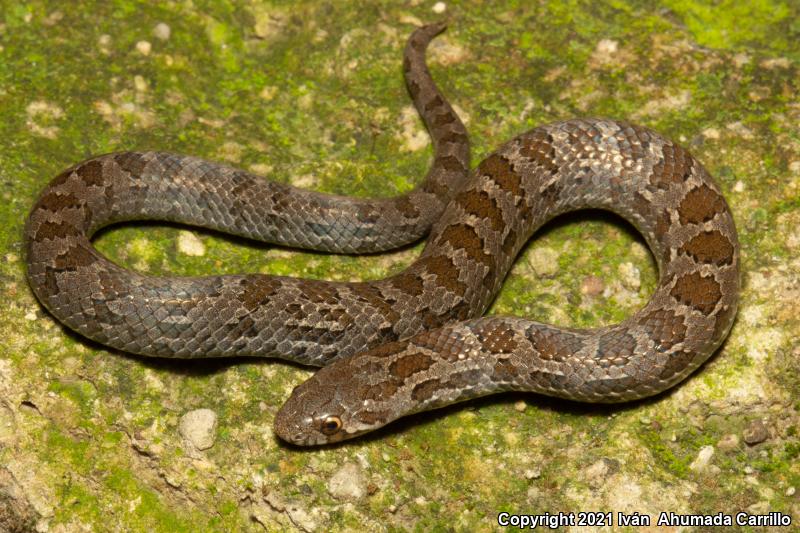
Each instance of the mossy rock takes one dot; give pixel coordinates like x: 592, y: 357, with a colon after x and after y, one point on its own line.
x: 311, y: 94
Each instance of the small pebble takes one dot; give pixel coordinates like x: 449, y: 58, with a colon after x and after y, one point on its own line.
x: 703, y: 459
x: 511, y: 438
x: 302, y: 517
x: 140, y: 83
x: 144, y: 47
x: 162, y: 31
x: 268, y: 92
x: 520, y: 406
x: 199, y: 427
x: 190, y: 244
x: 592, y: 286
x: 348, y: 483
x: 172, y: 482
x: 631, y: 276
x: 762, y: 507
x: 756, y: 432
x: 439, y: 8
x: 741, y: 59
x: 533, y: 474
x: 791, y: 491
x: 607, y: 47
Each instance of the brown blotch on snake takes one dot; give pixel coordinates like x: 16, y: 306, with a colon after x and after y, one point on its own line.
x: 256, y: 291
x: 92, y: 174
x: 495, y: 339
x: 499, y: 169
x: 74, y: 258
x: 552, y: 345
x: 710, y: 247
x: 408, y: 365
x: 463, y: 237
x: 701, y: 292
x: 482, y: 206
x: 676, y: 364
x: 426, y: 389
x: 55, y: 202
x: 478, y: 221
x: 673, y: 168
x: 131, y: 162
x: 700, y: 205
x: 56, y: 230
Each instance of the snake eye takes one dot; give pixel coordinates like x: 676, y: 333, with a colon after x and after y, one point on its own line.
x: 331, y: 425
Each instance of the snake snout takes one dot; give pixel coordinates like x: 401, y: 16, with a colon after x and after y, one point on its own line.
x: 287, y: 427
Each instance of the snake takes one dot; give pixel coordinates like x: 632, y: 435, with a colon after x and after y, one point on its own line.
x: 415, y: 340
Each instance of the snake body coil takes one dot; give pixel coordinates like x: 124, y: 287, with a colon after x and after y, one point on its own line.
x: 410, y: 342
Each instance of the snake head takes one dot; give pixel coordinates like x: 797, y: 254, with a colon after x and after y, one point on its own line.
x: 327, y: 408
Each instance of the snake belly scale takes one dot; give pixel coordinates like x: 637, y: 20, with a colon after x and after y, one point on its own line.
x: 413, y: 341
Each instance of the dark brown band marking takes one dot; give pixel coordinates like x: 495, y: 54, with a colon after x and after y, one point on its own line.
x: 710, y: 247
x: 408, y: 365
x: 462, y: 236
x: 552, y: 345
x: 425, y: 389
x: 446, y: 272
x: 675, y: 167
x: 256, y: 291
x: 701, y: 204
x: 483, y: 206
x: 76, y: 256
x: 56, y: 230
x: 131, y: 162
x: 496, y: 338
x: 500, y: 170
x: 698, y: 291
x: 55, y: 202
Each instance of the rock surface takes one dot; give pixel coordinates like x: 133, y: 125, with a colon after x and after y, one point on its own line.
x: 199, y: 427
x: 310, y: 93
x: 348, y: 483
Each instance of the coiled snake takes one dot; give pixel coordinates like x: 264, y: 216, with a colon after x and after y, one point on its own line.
x: 410, y: 342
